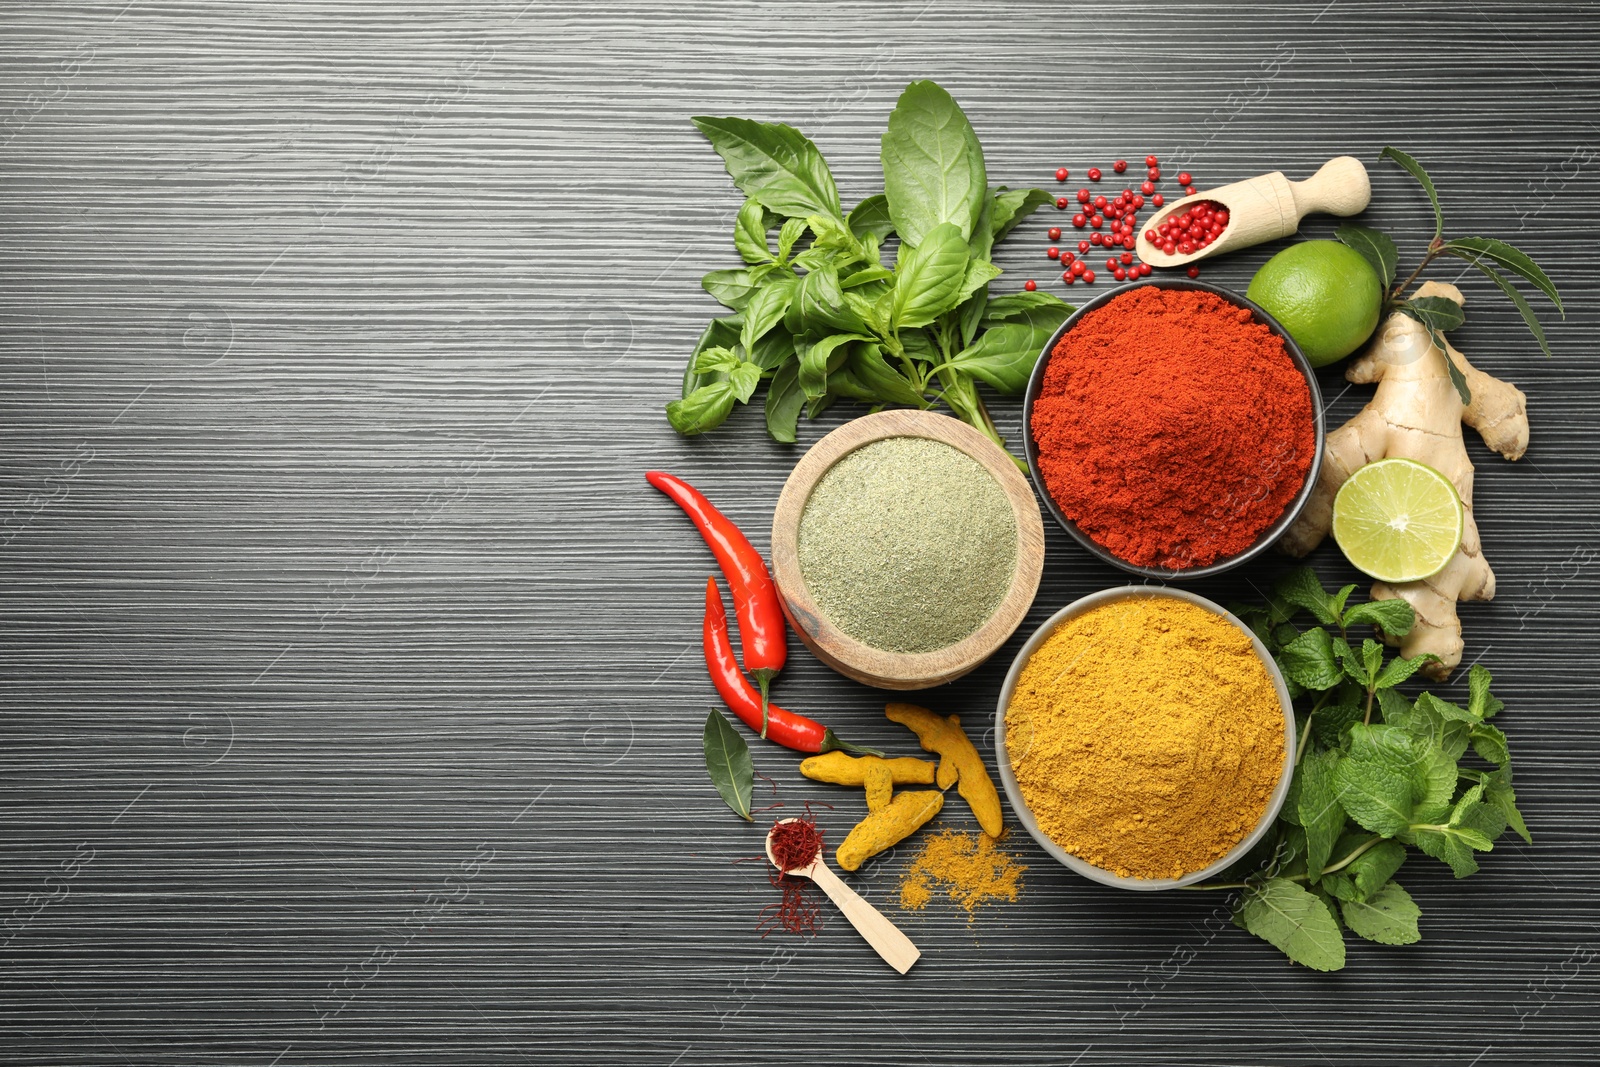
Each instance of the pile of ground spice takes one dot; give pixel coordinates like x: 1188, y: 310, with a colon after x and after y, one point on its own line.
x: 972, y: 865
x: 907, y: 544
x: 1172, y: 427
x: 1146, y: 736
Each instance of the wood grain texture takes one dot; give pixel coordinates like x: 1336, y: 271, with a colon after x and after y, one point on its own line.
x: 860, y: 661
x: 350, y: 706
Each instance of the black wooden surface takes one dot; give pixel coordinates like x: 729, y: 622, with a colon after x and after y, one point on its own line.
x: 351, y: 696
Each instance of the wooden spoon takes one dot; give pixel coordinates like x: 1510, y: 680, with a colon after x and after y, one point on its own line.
x: 1265, y: 208
x: 884, y: 936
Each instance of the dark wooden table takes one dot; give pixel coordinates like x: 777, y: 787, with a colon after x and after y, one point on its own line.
x: 351, y: 700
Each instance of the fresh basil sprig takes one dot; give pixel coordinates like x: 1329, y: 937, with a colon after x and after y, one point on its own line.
x: 820, y: 314
x: 1377, y: 774
x: 1437, y: 314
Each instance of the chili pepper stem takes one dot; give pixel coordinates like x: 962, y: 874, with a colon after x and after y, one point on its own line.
x: 832, y: 743
x: 763, y: 679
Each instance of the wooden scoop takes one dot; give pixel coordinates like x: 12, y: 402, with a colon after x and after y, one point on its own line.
x: 884, y: 936
x: 1265, y: 208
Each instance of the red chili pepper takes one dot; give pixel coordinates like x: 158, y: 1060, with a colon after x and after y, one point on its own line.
x: 763, y: 633
x: 785, y: 727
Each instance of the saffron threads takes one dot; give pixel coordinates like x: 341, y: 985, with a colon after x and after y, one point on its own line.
x: 795, y: 843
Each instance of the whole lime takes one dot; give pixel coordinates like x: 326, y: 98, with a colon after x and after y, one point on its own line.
x: 1324, y: 293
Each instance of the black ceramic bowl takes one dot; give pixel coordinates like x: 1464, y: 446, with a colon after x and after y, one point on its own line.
x: 1273, y: 532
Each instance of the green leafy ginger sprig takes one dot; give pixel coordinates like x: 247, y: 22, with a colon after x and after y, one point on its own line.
x: 1377, y: 774
x: 1436, y: 313
x: 820, y: 317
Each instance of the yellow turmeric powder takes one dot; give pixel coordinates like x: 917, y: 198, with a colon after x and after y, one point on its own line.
x: 973, y: 867
x: 1146, y: 736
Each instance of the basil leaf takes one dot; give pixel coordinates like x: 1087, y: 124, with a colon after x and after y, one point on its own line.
x: 1295, y: 920
x: 979, y: 274
x: 1016, y: 305
x: 969, y: 315
x: 728, y: 763
x: 1011, y: 206
x: 704, y: 409
x: 774, y: 164
x: 1388, y: 916
x: 716, y: 359
x: 1003, y: 356
x: 731, y: 288
x: 750, y: 233
x: 718, y: 333
x: 1476, y: 249
x: 933, y: 169
x: 1394, y: 617
x: 867, y: 364
x: 1437, y: 312
x: 788, y: 235
x: 1421, y: 175
x: 743, y: 380
x: 784, y: 401
x: 765, y: 309
x: 843, y: 382
x: 1520, y: 301
x: 928, y: 276
x: 871, y: 216
x: 775, y: 348
x: 865, y: 275
x: 821, y: 358
x: 1375, y: 247
x: 819, y: 305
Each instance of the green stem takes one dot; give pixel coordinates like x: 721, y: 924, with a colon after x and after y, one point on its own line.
x: 1367, y: 719
x: 1435, y: 250
x: 1342, y: 864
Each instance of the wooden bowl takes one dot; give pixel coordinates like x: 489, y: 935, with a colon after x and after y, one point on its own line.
x: 874, y: 666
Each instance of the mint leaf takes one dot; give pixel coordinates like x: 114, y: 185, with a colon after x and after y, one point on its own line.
x: 750, y: 233
x: 1309, y: 660
x: 1341, y: 598
x: 1454, y: 846
x: 1364, y: 875
x: 774, y: 164
x: 785, y: 398
x: 1301, y: 588
x: 871, y: 216
x: 933, y: 169
x: 1421, y: 175
x: 928, y: 277
x: 728, y: 763
x: 1431, y: 774
x: 1393, y: 617
x: 1442, y: 725
x: 1498, y: 792
x: 1399, y: 669
x: 1477, y: 249
x: 1330, y: 723
x: 1480, y: 702
x: 1489, y: 743
x: 1388, y: 916
x: 1375, y: 247
x: 1292, y: 918
x: 704, y: 409
x: 1374, y: 795
x: 1318, y: 808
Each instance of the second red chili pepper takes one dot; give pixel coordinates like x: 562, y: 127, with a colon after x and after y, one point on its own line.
x: 787, y: 728
x: 763, y: 633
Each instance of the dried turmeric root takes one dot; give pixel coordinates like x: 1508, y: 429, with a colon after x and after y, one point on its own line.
x: 1417, y: 414
x: 889, y: 825
x: 959, y: 761
x: 878, y: 775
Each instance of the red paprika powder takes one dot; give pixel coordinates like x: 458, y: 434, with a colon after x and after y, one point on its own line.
x: 1173, y: 428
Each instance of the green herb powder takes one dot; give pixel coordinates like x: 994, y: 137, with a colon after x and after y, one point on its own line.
x: 908, y: 544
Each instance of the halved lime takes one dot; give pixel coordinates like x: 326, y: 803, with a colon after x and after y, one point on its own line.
x: 1398, y: 520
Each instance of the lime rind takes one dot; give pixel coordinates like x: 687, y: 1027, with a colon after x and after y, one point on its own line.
x: 1398, y: 520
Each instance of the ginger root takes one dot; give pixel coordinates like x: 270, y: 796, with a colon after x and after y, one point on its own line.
x: 958, y: 761
x: 1417, y: 414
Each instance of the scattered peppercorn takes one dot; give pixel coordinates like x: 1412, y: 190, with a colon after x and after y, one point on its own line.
x: 1030, y: 285
x: 1054, y: 233
x: 1061, y: 174
x: 1061, y: 203
x: 1120, y: 165
x: 1053, y: 252
x: 1094, y: 174
x: 1193, y: 272
x: 1183, y: 177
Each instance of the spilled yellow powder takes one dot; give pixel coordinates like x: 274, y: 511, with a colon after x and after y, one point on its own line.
x: 971, y: 865
x: 1146, y: 736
